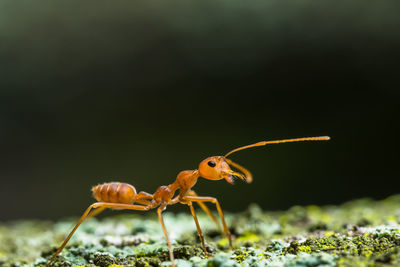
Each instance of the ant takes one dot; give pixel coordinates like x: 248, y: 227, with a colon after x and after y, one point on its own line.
x: 117, y: 195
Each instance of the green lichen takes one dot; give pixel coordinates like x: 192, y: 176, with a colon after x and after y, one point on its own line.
x: 358, y: 233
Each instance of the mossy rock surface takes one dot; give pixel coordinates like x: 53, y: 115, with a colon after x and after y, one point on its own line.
x: 358, y: 233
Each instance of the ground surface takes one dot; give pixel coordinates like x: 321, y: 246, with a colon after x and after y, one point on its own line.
x: 357, y: 233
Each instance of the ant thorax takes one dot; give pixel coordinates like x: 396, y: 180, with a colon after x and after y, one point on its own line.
x: 163, y: 194
x: 186, y: 180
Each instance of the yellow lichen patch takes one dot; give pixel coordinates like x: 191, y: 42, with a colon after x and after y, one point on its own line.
x: 367, y: 253
x: 305, y: 249
x: 391, y: 218
x: 329, y: 233
x: 248, y: 238
x: 325, y: 218
x: 223, y: 243
x: 241, y: 256
x: 313, y: 208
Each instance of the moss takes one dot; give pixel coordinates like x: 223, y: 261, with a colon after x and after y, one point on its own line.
x: 276, y: 246
x: 240, y: 255
x: 362, y: 249
x: 186, y: 252
x: 312, y: 260
x: 103, y: 260
x: 146, y: 261
x: 221, y: 260
x: 358, y: 233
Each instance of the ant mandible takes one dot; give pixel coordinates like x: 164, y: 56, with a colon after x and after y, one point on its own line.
x: 117, y: 195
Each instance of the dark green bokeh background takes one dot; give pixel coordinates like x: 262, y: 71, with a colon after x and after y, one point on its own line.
x: 135, y: 91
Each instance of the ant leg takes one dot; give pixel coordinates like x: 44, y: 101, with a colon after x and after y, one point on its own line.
x: 202, y: 205
x: 99, y: 205
x: 221, y: 214
x: 159, y: 213
x: 94, y: 213
x: 144, y: 198
x: 198, y: 228
x: 144, y: 195
x: 143, y: 201
x: 99, y: 210
x: 83, y: 217
x: 205, y: 209
x: 120, y: 206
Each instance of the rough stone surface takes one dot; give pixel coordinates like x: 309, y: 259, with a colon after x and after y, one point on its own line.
x: 358, y: 233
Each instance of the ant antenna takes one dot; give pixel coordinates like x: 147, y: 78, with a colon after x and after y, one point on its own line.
x: 263, y: 143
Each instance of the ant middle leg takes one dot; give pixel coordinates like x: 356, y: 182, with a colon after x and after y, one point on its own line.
x: 221, y: 214
x: 159, y: 213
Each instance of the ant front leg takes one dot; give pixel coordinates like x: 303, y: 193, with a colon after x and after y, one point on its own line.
x: 205, y: 209
x: 221, y: 214
x: 198, y: 228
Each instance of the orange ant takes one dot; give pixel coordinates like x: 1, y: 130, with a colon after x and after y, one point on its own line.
x: 117, y: 195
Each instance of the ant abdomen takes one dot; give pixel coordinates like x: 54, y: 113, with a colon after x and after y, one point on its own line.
x: 115, y: 192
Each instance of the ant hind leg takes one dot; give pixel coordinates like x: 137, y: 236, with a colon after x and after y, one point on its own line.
x: 94, y: 213
x: 83, y: 217
x: 100, y: 206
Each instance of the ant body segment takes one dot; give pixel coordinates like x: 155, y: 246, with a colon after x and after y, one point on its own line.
x: 117, y: 195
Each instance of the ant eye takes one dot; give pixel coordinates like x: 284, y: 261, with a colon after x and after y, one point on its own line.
x: 211, y: 163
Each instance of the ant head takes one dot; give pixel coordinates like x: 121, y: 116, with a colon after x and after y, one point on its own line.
x: 217, y: 168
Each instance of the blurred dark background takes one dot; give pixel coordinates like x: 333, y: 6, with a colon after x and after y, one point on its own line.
x: 137, y: 91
